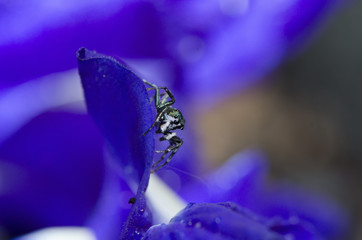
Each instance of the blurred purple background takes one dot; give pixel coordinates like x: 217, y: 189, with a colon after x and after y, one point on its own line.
x: 291, y: 90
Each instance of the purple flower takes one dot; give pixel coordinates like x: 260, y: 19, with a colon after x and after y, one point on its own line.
x: 116, y: 96
x: 54, y: 164
x: 119, y: 104
x: 203, y: 43
x: 228, y: 221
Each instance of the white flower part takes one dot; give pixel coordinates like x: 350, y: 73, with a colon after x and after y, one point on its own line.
x: 164, y: 201
x: 60, y: 233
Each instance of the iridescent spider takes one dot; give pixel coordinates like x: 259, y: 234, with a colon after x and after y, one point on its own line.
x: 168, y: 119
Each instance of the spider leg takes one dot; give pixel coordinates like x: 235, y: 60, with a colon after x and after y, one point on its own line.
x: 163, y: 97
x: 167, y: 150
x: 156, y: 120
x: 149, y: 84
x: 176, y: 143
x: 154, y: 168
x: 157, y: 89
x: 160, y: 151
x: 163, y: 102
x: 160, y: 160
x: 160, y: 100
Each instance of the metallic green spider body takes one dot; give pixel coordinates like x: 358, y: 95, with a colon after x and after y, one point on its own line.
x: 168, y: 119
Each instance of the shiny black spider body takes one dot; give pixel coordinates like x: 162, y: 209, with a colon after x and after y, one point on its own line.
x: 167, y: 120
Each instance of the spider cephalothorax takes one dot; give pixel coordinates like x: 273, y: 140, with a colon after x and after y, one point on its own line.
x: 168, y: 119
x: 171, y: 119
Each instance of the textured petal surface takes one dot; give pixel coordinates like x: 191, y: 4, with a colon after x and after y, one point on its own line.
x: 181, y: 231
x: 242, y: 180
x: 218, y: 221
x: 229, y: 221
x: 52, y: 173
x: 118, y: 102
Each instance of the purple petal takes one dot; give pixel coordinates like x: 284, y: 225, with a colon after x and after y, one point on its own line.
x: 293, y: 228
x: 118, y: 102
x: 181, y: 231
x: 304, y: 17
x: 117, y: 28
x: 242, y: 180
x: 53, y: 170
x: 239, y: 180
x: 229, y: 221
x: 225, y: 220
x: 242, y: 48
x: 290, y: 202
x: 112, y: 208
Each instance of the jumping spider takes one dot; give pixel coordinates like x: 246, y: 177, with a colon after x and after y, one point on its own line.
x: 168, y: 119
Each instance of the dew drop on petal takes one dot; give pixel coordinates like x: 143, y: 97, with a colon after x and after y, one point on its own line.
x: 217, y: 220
x: 198, y: 225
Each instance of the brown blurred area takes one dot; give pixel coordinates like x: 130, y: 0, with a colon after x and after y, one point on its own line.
x: 307, y: 118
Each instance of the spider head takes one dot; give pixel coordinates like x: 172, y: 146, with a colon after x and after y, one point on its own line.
x: 172, y: 119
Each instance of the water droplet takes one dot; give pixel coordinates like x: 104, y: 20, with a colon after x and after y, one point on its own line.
x: 217, y: 220
x: 198, y: 225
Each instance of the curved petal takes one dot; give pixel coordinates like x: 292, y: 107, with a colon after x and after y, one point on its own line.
x: 295, y: 228
x: 181, y: 231
x: 40, y: 95
x: 250, y: 43
x: 239, y: 180
x: 112, y: 208
x: 229, y: 221
x: 117, y: 28
x: 290, y: 202
x: 52, y: 173
x: 69, y: 233
x: 242, y: 180
x: 118, y: 102
x: 225, y: 220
